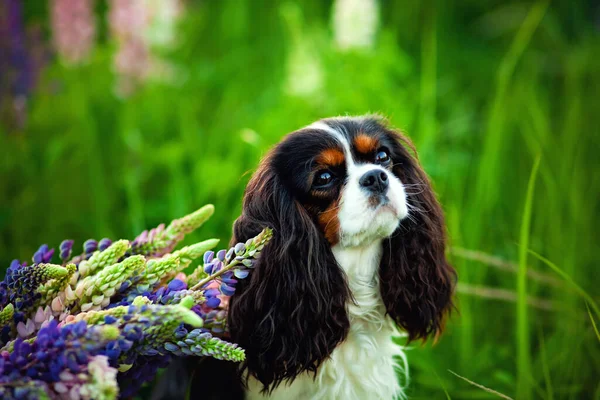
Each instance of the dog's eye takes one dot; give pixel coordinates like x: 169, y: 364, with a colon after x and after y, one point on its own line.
x: 382, y: 157
x: 322, y: 178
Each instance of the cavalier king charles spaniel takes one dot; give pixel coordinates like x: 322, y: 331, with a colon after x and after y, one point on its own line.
x: 356, y: 259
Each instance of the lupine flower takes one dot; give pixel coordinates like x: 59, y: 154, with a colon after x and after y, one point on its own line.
x: 98, y: 382
x: 163, y: 15
x: 66, y: 247
x: 54, y: 350
x: 104, y: 257
x: 43, y: 254
x: 168, y: 265
x: 22, y: 388
x: 71, y: 332
x: 355, y: 23
x: 212, y: 301
x: 23, y: 283
x: 73, y: 28
x: 90, y: 246
x: 52, y: 291
x: 41, y: 317
x: 138, y: 26
x: 232, y: 260
x: 215, y: 321
x: 6, y: 315
x: 162, y: 241
x: 104, y: 244
x: 127, y: 20
x: 95, y: 291
x: 198, y: 343
x: 19, y: 70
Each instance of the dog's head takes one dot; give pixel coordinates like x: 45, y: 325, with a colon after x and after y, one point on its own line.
x: 338, y: 183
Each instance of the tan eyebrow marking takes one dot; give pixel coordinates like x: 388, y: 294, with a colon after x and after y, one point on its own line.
x: 331, y: 157
x: 365, y: 144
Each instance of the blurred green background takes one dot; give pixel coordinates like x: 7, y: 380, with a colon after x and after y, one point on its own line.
x: 119, y: 115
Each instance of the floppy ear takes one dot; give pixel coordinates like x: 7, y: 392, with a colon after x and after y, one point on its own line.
x: 416, y: 280
x: 289, y: 314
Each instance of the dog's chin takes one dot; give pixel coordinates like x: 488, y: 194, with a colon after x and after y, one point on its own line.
x: 379, y: 222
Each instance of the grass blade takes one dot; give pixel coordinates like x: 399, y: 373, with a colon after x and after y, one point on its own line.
x: 593, y: 322
x: 567, y: 278
x: 503, y: 265
x: 493, y: 293
x: 492, y: 391
x: 523, y: 346
x: 442, y: 384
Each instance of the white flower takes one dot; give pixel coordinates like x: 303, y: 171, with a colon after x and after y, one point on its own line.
x: 355, y: 23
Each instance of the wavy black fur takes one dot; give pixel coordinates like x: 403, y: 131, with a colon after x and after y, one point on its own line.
x: 416, y: 280
x: 289, y: 314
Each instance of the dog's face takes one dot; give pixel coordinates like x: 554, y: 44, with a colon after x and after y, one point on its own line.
x: 341, y: 182
x: 343, y: 174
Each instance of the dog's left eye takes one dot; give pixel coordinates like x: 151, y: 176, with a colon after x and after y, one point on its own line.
x: 382, y: 157
x: 322, y: 179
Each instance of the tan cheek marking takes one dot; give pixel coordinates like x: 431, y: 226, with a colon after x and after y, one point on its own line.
x: 331, y: 157
x: 330, y: 223
x: 365, y: 144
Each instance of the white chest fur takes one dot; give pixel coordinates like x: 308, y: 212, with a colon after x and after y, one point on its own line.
x: 367, y: 363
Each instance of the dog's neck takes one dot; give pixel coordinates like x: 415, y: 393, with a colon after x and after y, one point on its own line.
x: 361, y: 265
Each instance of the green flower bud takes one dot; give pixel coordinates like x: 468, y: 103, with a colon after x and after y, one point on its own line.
x: 102, y: 259
x: 6, y: 315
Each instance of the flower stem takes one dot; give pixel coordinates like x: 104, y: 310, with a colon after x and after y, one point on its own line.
x: 215, y: 275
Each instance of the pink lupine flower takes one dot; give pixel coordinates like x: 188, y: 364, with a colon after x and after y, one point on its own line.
x: 138, y: 26
x: 73, y: 29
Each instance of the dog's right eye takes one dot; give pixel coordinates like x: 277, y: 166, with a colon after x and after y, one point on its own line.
x: 322, y: 179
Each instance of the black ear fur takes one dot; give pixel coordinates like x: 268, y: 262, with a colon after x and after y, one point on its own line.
x: 416, y: 280
x: 289, y: 314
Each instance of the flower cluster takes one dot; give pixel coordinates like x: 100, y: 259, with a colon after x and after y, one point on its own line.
x: 73, y: 29
x: 138, y: 27
x: 99, y: 324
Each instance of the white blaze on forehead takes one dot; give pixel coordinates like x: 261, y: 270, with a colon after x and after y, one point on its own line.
x: 339, y: 136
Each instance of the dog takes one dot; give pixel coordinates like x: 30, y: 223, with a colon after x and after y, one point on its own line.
x: 357, y: 258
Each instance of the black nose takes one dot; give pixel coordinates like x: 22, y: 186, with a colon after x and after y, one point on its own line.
x: 375, y: 181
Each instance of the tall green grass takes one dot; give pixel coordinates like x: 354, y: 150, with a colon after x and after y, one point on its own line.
x: 483, y: 88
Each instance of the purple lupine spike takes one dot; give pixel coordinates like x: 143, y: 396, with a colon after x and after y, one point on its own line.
x: 43, y: 254
x: 211, y: 292
x: 208, y: 257
x: 17, y: 78
x: 90, y: 246
x: 217, y: 265
x: 208, y: 268
x: 239, y: 249
x: 229, y: 254
x: 48, y: 256
x: 226, y: 289
x: 176, y: 285
x: 104, y: 244
x: 66, y: 248
x: 241, y: 273
x: 14, y: 265
x: 229, y: 281
x: 212, y: 301
x: 54, y: 350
